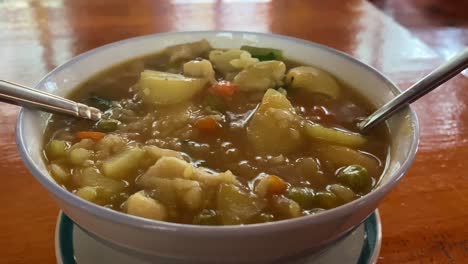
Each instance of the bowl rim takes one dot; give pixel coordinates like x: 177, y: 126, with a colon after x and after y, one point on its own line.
x: 196, y: 230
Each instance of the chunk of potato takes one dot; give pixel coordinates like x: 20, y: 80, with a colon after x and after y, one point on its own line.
x: 78, y: 156
x: 190, y: 193
x: 286, y: 207
x: 200, y: 69
x: 340, y: 156
x: 157, y: 87
x: 171, y: 167
x: 88, y: 193
x: 236, y: 206
x: 91, y: 177
x: 312, y: 79
x: 333, y: 135
x: 60, y: 174
x: 188, y: 50
x: 123, y: 164
x: 109, y: 145
x: 139, y: 204
x: 156, y: 153
x: 274, y: 128
x: 261, y: 76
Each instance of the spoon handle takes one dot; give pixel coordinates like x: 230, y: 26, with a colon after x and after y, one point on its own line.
x: 25, y: 96
x: 431, y: 81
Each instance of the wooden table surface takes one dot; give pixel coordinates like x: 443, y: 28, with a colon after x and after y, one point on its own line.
x: 424, y: 219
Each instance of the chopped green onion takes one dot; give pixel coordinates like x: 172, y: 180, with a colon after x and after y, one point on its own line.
x: 264, y: 54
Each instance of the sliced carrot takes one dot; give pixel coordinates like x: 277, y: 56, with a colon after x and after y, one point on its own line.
x: 207, y: 124
x: 223, y: 88
x: 90, y: 134
x: 276, y: 185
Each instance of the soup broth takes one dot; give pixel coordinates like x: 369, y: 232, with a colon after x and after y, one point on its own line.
x: 198, y: 135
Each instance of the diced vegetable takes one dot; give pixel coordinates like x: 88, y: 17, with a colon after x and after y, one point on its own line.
x: 90, y: 134
x: 340, y: 156
x: 109, y: 145
x: 157, y: 87
x: 274, y: 128
x: 261, y: 76
x: 91, y: 177
x: 139, y: 204
x: 88, y: 193
x: 156, y: 153
x: 236, y: 206
x: 170, y: 167
x: 344, y: 193
x: 355, y: 177
x: 108, y: 125
x: 333, y: 135
x: 245, y: 60
x: 222, y: 60
x: 312, y: 79
x: 214, y: 103
x: 190, y: 193
x: 264, y: 54
x: 208, y: 125
x: 326, y: 200
x: 78, y: 156
x: 207, y: 217
x: 304, y: 196
x: 56, y: 149
x: 270, y: 185
x: 99, y: 102
x: 59, y: 173
x: 188, y: 50
x: 223, y: 88
x: 286, y: 207
x: 123, y: 164
x: 200, y: 69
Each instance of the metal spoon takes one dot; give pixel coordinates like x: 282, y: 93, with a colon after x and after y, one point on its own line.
x: 431, y: 81
x: 21, y: 95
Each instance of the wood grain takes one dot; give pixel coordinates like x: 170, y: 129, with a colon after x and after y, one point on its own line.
x: 424, y: 218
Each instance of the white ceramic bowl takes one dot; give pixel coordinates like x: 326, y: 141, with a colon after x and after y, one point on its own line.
x: 258, y: 242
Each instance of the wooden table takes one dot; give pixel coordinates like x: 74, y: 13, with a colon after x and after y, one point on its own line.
x: 424, y: 219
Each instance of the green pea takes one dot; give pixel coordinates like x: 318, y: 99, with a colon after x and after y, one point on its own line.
x: 326, y: 200
x: 108, y: 125
x: 302, y: 195
x: 344, y: 193
x: 356, y: 178
x: 207, y: 217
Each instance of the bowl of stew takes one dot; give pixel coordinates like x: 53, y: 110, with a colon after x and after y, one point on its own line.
x: 218, y: 146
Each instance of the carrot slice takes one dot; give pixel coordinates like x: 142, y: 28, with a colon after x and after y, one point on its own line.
x: 90, y: 134
x: 276, y: 185
x: 207, y: 124
x: 223, y: 88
